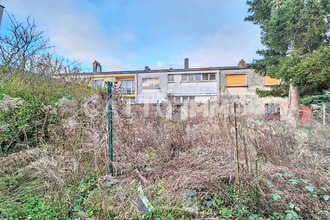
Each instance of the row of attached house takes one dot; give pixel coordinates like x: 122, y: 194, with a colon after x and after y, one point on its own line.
x: 199, y: 85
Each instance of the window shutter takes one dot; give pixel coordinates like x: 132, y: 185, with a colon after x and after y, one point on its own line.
x: 236, y: 80
x: 271, y: 81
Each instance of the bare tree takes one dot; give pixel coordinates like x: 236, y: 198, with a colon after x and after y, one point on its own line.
x: 24, y: 48
x: 22, y: 45
x: 53, y: 65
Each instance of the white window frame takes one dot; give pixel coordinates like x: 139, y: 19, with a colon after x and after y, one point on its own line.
x: 170, y: 78
x: 130, y: 100
x: 99, y: 83
x: 153, y: 84
x: 181, y: 99
x: 192, y: 77
x: 124, y: 89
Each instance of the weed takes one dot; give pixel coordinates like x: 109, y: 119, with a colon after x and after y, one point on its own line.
x: 199, y: 168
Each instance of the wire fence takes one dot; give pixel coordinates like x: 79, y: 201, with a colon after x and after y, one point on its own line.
x: 315, y: 114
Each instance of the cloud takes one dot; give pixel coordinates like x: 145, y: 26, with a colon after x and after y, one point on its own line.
x: 209, y: 32
x: 225, y: 46
x: 75, y: 31
x: 130, y: 34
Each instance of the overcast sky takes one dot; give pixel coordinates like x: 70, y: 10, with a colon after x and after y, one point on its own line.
x: 131, y: 34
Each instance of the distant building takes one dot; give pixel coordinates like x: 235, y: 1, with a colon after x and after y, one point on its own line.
x: 201, y: 85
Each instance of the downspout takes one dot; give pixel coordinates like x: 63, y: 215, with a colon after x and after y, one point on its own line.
x: 218, y: 87
x: 136, y: 87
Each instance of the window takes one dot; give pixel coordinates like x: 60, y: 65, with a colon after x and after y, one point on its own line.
x: 212, y: 76
x: 170, y: 78
x: 171, y: 98
x: 236, y: 80
x: 150, y: 83
x: 198, y: 77
x: 272, y: 111
x: 99, y: 83
x: 271, y: 81
x: 206, y: 76
x: 181, y: 99
x: 127, y: 87
x: 130, y: 100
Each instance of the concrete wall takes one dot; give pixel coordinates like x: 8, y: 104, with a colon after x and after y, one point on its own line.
x: 247, y: 95
x: 185, y: 111
x: 173, y: 111
x: 201, y: 90
x: 148, y: 95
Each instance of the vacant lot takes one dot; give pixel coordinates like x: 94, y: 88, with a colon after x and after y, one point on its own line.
x: 222, y: 167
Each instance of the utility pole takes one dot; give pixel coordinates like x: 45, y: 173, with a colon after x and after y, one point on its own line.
x: 1, y: 12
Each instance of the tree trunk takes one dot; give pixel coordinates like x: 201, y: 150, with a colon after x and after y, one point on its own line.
x: 294, y: 106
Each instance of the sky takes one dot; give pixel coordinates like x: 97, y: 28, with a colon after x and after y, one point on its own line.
x: 132, y: 34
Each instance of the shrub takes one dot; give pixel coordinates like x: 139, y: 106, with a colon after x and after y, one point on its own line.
x: 26, y: 105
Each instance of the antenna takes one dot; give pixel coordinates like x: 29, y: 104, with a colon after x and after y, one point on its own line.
x: 171, y: 65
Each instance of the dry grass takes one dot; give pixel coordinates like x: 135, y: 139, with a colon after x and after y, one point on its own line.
x: 170, y: 159
x: 199, y: 155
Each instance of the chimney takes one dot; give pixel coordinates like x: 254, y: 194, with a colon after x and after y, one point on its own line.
x: 241, y: 63
x: 1, y: 11
x: 186, y: 63
x: 97, y: 68
x: 146, y: 68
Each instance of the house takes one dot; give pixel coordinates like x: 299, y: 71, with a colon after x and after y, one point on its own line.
x: 194, y: 85
x: 179, y: 85
x: 123, y: 81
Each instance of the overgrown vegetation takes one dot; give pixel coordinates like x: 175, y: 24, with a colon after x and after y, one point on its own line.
x: 187, y: 170
x: 28, y: 105
x: 32, y: 81
x: 296, y: 47
x: 316, y: 99
x: 54, y: 158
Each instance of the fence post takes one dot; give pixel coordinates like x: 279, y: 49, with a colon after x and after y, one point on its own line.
x: 157, y: 110
x: 236, y: 145
x: 110, y: 128
x: 323, y: 114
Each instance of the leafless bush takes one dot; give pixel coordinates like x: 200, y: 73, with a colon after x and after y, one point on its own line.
x: 10, y: 163
x: 201, y: 156
x: 20, y: 48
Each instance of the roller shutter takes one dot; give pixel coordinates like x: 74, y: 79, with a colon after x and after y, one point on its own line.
x: 271, y: 81
x: 236, y: 80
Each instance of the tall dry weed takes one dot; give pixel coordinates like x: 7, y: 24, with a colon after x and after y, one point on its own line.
x: 170, y: 159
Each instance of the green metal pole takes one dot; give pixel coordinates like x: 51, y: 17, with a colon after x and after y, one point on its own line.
x: 110, y: 128
x: 157, y: 109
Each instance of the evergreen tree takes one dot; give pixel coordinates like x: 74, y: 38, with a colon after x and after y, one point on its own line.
x: 295, y: 34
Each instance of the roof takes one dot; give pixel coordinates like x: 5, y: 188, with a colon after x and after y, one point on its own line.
x: 171, y: 70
